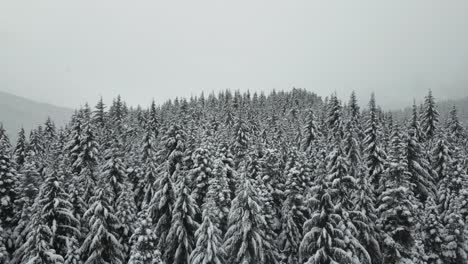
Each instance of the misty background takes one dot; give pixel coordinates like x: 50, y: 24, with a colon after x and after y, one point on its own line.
x: 70, y: 52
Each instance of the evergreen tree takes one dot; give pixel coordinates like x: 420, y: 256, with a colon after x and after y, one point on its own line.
x: 114, y: 171
x: 441, y: 158
x: 433, y: 231
x: 397, y: 216
x: 311, y: 132
x: 200, y: 174
x: 144, y: 243
x: 245, y: 239
x: 334, y: 118
x: 181, y: 235
x: 21, y: 149
x: 430, y: 116
x: 324, y: 241
x: 102, y: 244
x: 8, y: 183
x: 455, y: 245
x: 375, y: 156
x: 208, y: 247
x: 160, y: 207
x: 126, y: 212
x: 454, y: 126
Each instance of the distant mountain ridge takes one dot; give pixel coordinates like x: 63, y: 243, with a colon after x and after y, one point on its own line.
x: 17, y: 112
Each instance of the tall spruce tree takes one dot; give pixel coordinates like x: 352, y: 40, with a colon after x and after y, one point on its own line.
x: 374, y: 154
x: 245, y: 240
x: 102, y: 244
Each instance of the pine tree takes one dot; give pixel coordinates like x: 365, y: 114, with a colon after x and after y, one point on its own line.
x: 8, y: 182
x: 21, y: 149
x: 208, y: 247
x: 245, y: 240
x: 430, y: 118
x: 27, y: 190
x: 422, y: 176
x: 200, y: 174
x: 454, y: 126
x: 374, y: 155
x: 99, y: 114
x: 144, y: 243
x: 324, y: 241
x: 416, y: 126
x: 219, y: 193
x: 455, y: 245
x: 294, y: 210
x: 102, y: 243
x: 113, y: 170
x: 181, y: 236
x: 397, y: 216
x: 433, y: 231
x: 160, y: 207
x: 334, y: 118
x: 311, y: 132
x: 153, y: 120
x: 39, y: 250
x: 126, y: 212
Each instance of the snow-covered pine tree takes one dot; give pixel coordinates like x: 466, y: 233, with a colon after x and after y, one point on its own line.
x: 224, y: 153
x: 294, y: 212
x: 415, y: 125
x: 52, y: 223
x: 396, y: 206
x: 311, y: 132
x: 144, y: 182
x: 455, y: 236
x: 454, y: 126
x: 422, y: 176
x: 209, y: 245
x: 113, y: 171
x: 8, y: 192
x: 99, y: 114
x: 21, y: 149
x: 246, y: 239
x: 53, y: 201
x: 39, y: 250
x: 441, y: 158
x: 354, y: 110
x: 27, y: 189
x: 374, y: 154
x: 153, y: 122
x: 334, y: 118
x: 181, y: 236
x: 430, y: 117
x: 173, y: 143
x: 102, y: 244
x: 160, y: 207
x: 200, y: 174
x: 126, y: 212
x: 240, y: 140
x: 144, y: 243
x: 433, y: 231
x: 451, y: 187
x: 324, y: 240
x: 219, y: 193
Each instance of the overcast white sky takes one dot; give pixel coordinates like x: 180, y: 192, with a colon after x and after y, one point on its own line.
x: 70, y: 52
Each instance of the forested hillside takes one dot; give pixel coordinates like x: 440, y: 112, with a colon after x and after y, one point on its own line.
x: 17, y: 112
x: 238, y: 178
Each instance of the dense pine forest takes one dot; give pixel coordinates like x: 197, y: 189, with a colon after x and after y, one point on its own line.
x: 238, y: 178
